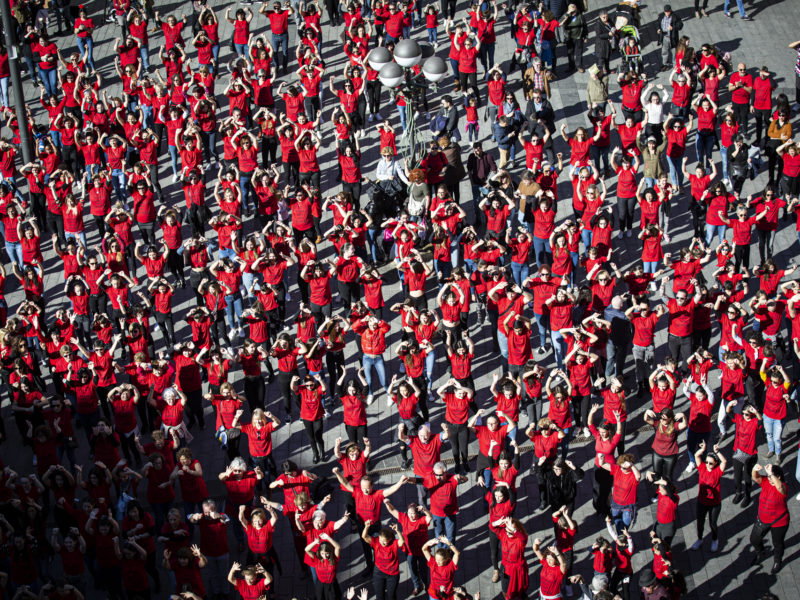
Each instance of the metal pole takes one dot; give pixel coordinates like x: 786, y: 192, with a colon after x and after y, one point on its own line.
x: 16, y: 82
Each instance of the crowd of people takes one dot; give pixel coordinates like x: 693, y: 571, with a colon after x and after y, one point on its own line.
x: 510, y: 325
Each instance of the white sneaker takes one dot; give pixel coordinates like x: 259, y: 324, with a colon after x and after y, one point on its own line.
x: 714, y: 545
x: 241, y: 332
x: 696, y: 545
x: 586, y: 432
x: 797, y: 497
x: 370, y: 118
x: 389, y: 401
x: 689, y: 468
x: 175, y: 178
x: 370, y: 398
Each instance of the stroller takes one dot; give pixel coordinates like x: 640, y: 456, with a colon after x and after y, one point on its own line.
x: 630, y: 49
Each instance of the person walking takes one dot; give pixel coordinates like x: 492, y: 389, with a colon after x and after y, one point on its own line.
x: 669, y: 27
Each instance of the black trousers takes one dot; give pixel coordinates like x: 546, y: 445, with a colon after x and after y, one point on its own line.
x: 759, y: 532
x: 385, y: 585
x: 680, y: 348
x: 314, y: 432
x: 254, y: 391
x: 448, y: 9
x: 459, y: 441
x: 664, y: 466
x: 713, y: 517
x: 575, y: 52
x: 741, y: 471
x: 741, y: 113
x: 349, y: 292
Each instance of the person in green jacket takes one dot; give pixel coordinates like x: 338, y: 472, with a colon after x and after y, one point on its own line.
x: 651, y: 158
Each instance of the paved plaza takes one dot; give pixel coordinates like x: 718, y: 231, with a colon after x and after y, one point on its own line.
x: 725, y: 574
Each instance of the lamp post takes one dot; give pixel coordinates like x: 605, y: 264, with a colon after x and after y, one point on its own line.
x: 396, y: 72
x: 16, y: 83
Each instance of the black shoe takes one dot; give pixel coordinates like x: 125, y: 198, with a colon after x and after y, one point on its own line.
x: 316, y: 459
x: 738, y: 498
x: 366, y: 573
x: 758, y: 558
x: 776, y: 567
x: 406, y: 463
x: 746, y: 501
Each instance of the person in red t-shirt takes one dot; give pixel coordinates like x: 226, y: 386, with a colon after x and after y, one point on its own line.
x: 255, y: 581
x: 709, y: 498
x: 623, y: 497
x: 442, y: 565
x: 773, y: 513
x: 368, y: 503
x: 385, y: 546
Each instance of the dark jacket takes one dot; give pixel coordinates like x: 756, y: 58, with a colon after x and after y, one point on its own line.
x: 562, y: 489
x: 545, y: 113
x: 602, y: 40
x: 677, y: 25
x: 575, y: 27
x: 451, y: 115
x: 479, y: 168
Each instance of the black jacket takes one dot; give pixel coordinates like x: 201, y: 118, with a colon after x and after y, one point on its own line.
x: 562, y: 489
x: 602, y: 42
x: 677, y: 25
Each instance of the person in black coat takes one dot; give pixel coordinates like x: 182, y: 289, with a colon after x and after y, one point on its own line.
x: 604, y: 32
x: 668, y: 25
x: 562, y: 484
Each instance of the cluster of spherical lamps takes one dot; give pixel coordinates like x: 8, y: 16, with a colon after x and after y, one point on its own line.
x: 392, y: 71
x: 407, y: 54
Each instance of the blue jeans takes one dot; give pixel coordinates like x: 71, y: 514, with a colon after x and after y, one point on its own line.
x: 773, y: 428
x: 14, y: 250
x: 542, y: 324
x: 233, y: 307
x: 245, y: 187
x: 446, y: 526
x: 586, y: 238
x: 433, y: 37
x: 418, y: 570
x: 147, y: 116
x: 520, y: 272
x: 4, y: 91
x: 704, y: 146
x: 430, y: 361
x: 559, y: 347
x: 173, y: 154
x: 144, y: 54
x: 650, y: 266
x: 623, y: 516
x: 540, y: 248
x: 86, y: 45
x: 241, y: 50
x: 49, y: 80
x: 739, y: 4
x: 723, y: 150
x: 280, y: 42
x: 718, y: 230
x: 401, y: 110
x: 368, y: 361
x: 693, y: 443
x: 76, y: 236
x: 118, y: 183
x: 502, y: 341
x: 226, y: 253
x: 675, y: 172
